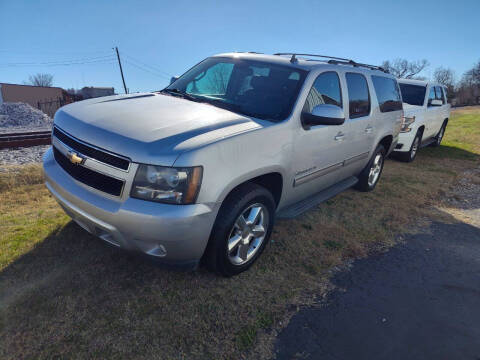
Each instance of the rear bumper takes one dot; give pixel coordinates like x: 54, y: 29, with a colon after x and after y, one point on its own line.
x: 176, y: 234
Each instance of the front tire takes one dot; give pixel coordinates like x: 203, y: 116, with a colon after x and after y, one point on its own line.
x: 241, y: 231
x: 368, y: 178
x: 439, y: 137
x: 410, y: 155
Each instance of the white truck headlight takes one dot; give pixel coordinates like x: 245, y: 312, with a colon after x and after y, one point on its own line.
x: 407, y: 121
x: 167, y: 184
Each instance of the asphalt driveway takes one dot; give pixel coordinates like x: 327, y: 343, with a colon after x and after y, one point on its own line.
x: 420, y: 300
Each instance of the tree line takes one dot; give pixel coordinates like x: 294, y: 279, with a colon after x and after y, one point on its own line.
x: 465, y: 91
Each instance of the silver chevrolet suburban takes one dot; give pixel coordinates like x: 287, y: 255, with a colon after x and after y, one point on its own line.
x: 199, y: 170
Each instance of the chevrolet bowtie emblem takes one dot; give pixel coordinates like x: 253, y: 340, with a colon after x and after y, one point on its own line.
x: 75, y: 158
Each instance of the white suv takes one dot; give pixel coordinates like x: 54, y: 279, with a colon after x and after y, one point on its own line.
x: 426, y: 117
x: 201, y: 169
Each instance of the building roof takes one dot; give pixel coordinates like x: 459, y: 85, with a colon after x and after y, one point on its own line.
x: 46, y: 87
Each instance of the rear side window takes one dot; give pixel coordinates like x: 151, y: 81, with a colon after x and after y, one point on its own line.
x: 387, y: 92
x: 431, y: 95
x: 413, y: 94
x: 325, y: 90
x: 358, y: 95
x: 439, y: 91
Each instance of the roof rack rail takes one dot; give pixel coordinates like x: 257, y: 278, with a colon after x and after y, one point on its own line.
x: 353, y: 63
x: 335, y: 60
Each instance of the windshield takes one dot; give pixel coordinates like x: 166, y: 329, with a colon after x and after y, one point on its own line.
x: 413, y: 94
x: 252, y: 88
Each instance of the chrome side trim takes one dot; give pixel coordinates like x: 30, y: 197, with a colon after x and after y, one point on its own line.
x: 327, y: 170
x: 321, y: 172
x: 356, y: 158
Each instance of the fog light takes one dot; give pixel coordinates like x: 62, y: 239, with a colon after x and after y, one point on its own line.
x: 158, y: 251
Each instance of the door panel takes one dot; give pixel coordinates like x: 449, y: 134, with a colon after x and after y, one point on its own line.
x: 431, y: 116
x: 319, y: 151
x: 359, y: 123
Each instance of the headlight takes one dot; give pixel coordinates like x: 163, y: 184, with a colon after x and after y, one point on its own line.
x: 167, y: 184
x: 407, y: 121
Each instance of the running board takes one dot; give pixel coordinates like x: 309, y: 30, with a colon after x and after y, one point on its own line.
x: 312, y: 201
x: 428, y: 142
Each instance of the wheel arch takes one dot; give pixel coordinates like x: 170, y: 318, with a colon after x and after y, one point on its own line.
x: 386, y: 141
x: 271, y: 180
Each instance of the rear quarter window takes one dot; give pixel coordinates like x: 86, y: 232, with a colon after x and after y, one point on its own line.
x: 439, y: 92
x: 388, y: 94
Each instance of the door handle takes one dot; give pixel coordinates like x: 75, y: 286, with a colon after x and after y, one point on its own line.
x: 339, y: 136
x: 369, y: 129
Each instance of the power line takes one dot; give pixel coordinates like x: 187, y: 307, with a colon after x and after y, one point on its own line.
x: 146, y: 70
x: 152, y: 67
x: 97, y: 59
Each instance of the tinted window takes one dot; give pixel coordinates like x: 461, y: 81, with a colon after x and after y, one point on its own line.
x: 213, y: 82
x: 325, y: 90
x: 252, y: 88
x: 387, y: 93
x: 358, y: 95
x: 439, y: 91
x: 431, y: 95
x: 413, y: 94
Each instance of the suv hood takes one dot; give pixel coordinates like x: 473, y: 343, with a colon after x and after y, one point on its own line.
x: 411, y: 110
x: 149, y: 128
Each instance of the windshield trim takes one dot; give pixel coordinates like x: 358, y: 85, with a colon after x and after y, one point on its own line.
x: 219, y: 103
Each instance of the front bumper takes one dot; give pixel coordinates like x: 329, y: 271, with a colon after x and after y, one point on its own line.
x: 176, y: 234
x: 405, y: 140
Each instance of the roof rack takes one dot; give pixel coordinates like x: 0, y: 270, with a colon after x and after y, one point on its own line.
x: 335, y: 60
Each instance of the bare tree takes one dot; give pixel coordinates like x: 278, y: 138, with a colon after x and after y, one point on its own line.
x: 472, y: 76
x: 402, y: 68
x: 468, y: 91
x: 446, y: 77
x: 41, y: 79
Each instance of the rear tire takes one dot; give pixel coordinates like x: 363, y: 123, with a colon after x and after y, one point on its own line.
x: 368, y: 178
x: 235, y: 244
x: 439, y: 137
x: 410, y: 155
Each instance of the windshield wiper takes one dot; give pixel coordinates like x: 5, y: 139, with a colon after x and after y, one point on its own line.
x: 184, y: 95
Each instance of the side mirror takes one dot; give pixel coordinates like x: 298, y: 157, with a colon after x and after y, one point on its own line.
x: 324, y: 114
x: 435, y: 102
x: 173, y: 79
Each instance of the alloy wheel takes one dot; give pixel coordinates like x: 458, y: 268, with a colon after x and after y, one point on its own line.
x: 414, y: 150
x: 375, y: 170
x: 440, y: 135
x: 247, y: 234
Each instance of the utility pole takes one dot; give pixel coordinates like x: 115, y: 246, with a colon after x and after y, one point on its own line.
x: 121, y: 71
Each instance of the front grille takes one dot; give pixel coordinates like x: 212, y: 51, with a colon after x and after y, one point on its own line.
x: 89, y: 177
x: 91, y: 152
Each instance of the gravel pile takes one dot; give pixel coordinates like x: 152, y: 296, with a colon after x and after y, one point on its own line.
x: 21, y: 156
x: 22, y: 117
x: 466, y: 193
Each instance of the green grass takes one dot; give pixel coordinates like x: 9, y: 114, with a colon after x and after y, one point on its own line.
x: 65, y: 294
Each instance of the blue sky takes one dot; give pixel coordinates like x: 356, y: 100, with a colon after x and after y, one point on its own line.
x: 73, y: 40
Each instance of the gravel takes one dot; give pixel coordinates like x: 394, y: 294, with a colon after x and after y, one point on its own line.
x: 466, y: 193
x: 21, y: 156
x: 18, y: 117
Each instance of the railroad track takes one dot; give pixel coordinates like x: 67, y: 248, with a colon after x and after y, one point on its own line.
x: 25, y: 139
